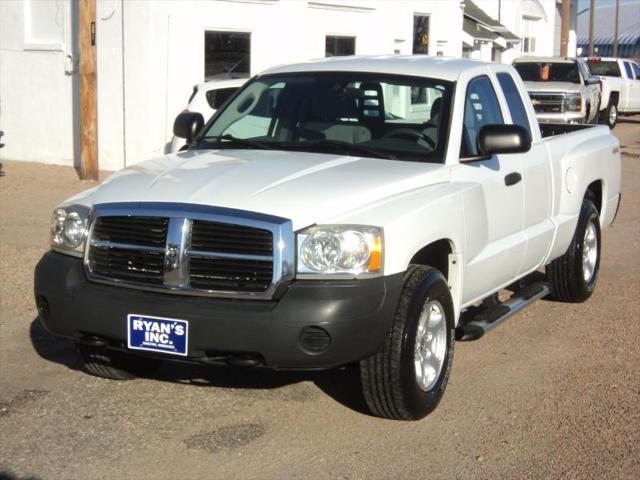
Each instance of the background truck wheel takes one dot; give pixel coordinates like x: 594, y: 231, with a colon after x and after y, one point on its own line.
x: 573, y: 276
x: 115, y: 365
x: 609, y: 115
x: 406, y: 379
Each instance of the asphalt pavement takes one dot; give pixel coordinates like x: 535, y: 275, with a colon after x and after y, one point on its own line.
x: 554, y: 392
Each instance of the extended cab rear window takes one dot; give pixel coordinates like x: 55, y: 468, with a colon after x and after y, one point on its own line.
x: 605, y: 69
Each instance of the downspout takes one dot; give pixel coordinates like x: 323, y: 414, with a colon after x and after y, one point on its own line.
x: 124, y: 98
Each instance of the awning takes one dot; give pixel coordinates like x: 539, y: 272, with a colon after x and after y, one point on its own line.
x: 477, y: 31
x: 477, y: 22
x: 605, y: 25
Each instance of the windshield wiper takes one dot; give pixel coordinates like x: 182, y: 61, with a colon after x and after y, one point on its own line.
x: 338, y: 145
x: 239, y: 141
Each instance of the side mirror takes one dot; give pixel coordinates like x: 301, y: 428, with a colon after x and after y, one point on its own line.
x: 187, y: 125
x: 592, y: 81
x: 494, y: 139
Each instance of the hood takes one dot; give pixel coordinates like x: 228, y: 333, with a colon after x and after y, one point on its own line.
x: 304, y: 187
x: 553, y: 87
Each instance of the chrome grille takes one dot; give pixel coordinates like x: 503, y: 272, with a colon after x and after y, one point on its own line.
x: 547, y: 102
x: 189, y: 249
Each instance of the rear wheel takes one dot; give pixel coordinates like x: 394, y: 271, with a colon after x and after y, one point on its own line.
x: 574, y: 275
x: 407, y: 378
x: 116, y: 365
x: 609, y: 115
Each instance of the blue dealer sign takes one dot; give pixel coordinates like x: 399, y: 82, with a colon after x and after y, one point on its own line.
x: 155, y: 334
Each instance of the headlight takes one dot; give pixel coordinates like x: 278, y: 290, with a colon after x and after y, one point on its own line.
x: 573, y: 102
x: 340, y: 250
x: 69, y: 229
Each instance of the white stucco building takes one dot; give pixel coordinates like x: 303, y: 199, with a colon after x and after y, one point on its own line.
x: 151, y: 53
x: 536, y: 25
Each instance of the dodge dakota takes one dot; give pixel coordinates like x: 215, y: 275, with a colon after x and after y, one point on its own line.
x: 349, y: 211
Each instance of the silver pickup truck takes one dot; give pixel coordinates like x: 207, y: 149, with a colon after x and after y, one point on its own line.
x: 561, y: 89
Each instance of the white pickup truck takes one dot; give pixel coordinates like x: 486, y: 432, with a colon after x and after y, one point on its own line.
x: 561, y: 89
x: 620, y: 80
x: 373, y: 220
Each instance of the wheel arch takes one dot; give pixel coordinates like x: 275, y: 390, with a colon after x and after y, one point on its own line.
x: 594, y: 190
x: 436, y: 255
x: 444, y: 256
x: 614, y: 98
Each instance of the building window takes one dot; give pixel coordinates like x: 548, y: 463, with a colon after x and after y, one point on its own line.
x: 528, y: 36
x: 43, y: 26
x: 529, y: 45
x: 227, y: 55
x: 421, y: 34
x: 338, y: 46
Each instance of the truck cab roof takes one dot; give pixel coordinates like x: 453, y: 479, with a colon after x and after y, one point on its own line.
x: 545, y: 60
x: 445, y: 68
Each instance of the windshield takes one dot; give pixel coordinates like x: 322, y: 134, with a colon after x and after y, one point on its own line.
x: 606, y: 69
x: 548, y: 72
x: 360, y: 114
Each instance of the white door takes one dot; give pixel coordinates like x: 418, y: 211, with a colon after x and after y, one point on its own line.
x: 630, y: 98
x: 536, y: 179
x: 493, y: 194
x: 635, y: 87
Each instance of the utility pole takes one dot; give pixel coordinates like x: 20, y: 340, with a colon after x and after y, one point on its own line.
x: 564, y: 33
x: 88, y: 90
x: 615, y: 37
x: 592, y: 15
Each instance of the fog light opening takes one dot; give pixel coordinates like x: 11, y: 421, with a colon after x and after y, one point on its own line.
x: 315, y: 340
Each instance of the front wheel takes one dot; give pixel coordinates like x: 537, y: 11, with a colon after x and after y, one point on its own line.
x: 407, y: 377
x: 115, y: 365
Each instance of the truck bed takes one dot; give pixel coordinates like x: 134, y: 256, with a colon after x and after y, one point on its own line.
x: 552, y: 129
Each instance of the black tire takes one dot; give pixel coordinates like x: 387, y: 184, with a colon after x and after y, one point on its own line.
x: 594, y: 120
x: 388, y: 378
x: 566, y: 273
x: 606, y: 115
x: 116, y: 365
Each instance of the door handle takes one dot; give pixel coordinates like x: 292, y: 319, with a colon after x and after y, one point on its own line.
x: 512, y: 179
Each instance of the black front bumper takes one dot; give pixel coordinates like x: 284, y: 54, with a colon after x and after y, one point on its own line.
x: 356, y: 314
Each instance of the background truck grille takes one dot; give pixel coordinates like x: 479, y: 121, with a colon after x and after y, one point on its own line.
x: 154, y: 251
x: 547, y: 103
